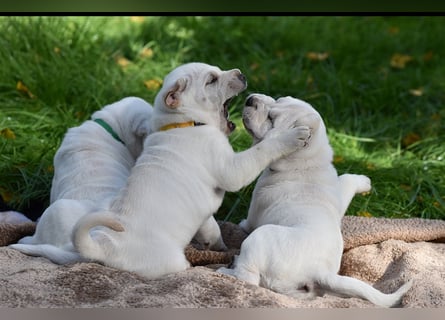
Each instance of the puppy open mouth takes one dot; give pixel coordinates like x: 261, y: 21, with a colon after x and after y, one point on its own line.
x: 230, y: 125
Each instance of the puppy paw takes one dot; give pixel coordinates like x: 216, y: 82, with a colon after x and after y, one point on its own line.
x: 363, y: 184
x: 296, y: 138
x: 226, y: 271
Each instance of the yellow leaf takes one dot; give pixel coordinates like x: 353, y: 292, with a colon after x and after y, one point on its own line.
x: 317, y: 56
x: 428, y: 56
x: 146, y: 53
x: 406, y: 187
x: 153, y: 84
x: 7, y: 133
x: 137, y: 19
x: 364, y: 214
x: 56, y: 50
x: 370, y: 166
x: 123, y: 62
x: 24, y: 89
x: 254, y: 66
x: 409, y: 139
x: 393, y: 30
x: 6, y: 195
x: 79, y: 114
x: 416, y: 92
x: 399, y: 61
x: 338, y: 159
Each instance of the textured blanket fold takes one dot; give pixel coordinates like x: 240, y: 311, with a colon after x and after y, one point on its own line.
x: 383, y: 252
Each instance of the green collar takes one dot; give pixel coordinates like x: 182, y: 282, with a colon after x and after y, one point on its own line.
x: 109, y: 129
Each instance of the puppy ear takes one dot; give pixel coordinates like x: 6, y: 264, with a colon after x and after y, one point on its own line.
x: 173, y: 97
x: 142, y: 128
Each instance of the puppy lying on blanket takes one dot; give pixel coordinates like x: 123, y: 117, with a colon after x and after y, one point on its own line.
x: 90, y: 167
x: 180, y: 178
x: 296, y: 210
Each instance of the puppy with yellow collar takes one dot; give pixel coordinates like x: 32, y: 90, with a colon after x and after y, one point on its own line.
x: 180, y: 178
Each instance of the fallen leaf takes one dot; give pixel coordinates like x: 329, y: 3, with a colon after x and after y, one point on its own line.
x: 409, y: 139
x: 153, y: 84
x: 364, y: 214
x: 393, y: 30
x: 137, y: 19
x: 428, y: 56
x: 254, y: 66
x: 24, y: 89
x: 416, y: 92
x: 79, y: 114
x: 146, y: 53
x: 399, y: 61
x: 338, y: 159
x: 122, y: 61
x: 317, y: 56
x: 370, y: 166
x: 7, y: 133
x: 6, y: 195
x: 406, y: 187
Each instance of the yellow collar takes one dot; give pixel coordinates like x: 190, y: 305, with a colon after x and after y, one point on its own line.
x: 180, y: 125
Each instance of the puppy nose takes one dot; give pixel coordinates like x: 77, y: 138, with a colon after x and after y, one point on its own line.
x: 242, y: 78
x: 250, y: 101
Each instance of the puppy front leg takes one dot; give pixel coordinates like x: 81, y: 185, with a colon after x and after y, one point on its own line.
x: 243, y: 167
x: 350, y: 185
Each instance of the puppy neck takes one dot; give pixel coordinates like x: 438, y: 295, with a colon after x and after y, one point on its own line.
x: 109, y: 129
x: 180, y: 125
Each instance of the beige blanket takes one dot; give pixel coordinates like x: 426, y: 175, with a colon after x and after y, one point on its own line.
x: 383, y: 252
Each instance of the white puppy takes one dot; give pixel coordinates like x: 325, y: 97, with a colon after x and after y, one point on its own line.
x: 296, y: 211
x: 180, y: 178
x: 90, y: 167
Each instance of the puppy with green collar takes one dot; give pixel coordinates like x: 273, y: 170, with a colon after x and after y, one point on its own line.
x: 91, y: 165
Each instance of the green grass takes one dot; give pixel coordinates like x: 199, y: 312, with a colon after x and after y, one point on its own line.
x: 70, y: 66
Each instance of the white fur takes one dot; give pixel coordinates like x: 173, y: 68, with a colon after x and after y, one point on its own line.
x: 90, y: 167
x: 180, y: 178
x: 296, y: 244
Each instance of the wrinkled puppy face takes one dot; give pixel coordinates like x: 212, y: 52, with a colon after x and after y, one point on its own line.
x: 263, y: 115
x: 201, y: 93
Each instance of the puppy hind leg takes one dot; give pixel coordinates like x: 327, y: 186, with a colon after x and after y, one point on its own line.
x: 26, y: 240
x: 298, y: 291
x: 350, y: 185
x: 242, y: 273
x: 244, y: 224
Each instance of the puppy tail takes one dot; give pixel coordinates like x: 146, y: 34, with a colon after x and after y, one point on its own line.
x: 350, y: 287
x: 95, y: 247
x: 53, y: 253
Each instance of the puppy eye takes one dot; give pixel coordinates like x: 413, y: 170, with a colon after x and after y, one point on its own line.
x: 212, y: 79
